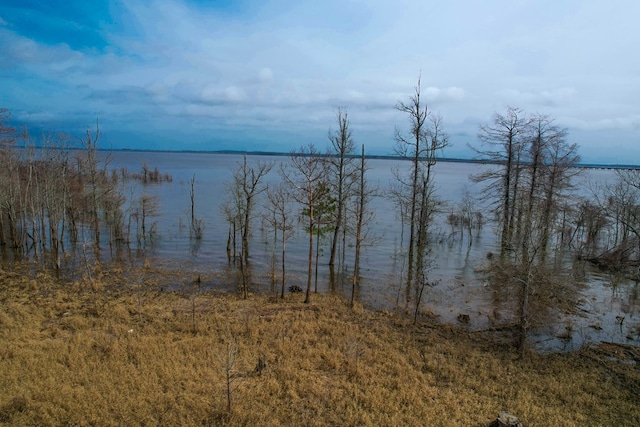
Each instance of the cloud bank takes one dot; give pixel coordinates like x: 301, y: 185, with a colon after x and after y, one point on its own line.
x: 270, y: 74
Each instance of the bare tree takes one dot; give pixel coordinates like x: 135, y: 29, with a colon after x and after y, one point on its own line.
x: 364, y: 216
x: 611, y: 223
x: 412, y: 148
x: 7, y: 140
x: 7, y: 132
x: 228, y: 360
x: 560, y: 161
x: 281, y: 219
x: 529, y: 187
x: 248, y: 183
x: 90, y: 144
x: 196, y: 224
x: 148, y: 206
x: 504, y: 142
x: 425, y: 139
x: 306, y: 172
x: 242, y: 193
x: 342, y: 173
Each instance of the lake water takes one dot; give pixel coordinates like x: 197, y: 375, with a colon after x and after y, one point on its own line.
x: 458, y: 289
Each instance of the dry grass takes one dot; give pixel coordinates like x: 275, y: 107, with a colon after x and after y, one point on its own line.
x: 95, y: 354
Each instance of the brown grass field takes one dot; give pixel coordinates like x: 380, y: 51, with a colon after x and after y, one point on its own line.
x: 97, y: 352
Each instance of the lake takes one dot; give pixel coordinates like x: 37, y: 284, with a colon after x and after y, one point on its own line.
x: 458, y: 288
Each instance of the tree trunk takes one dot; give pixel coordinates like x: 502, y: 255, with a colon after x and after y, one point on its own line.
x: 284, y: 271
x: 361, y: 197
x: 307, y: 298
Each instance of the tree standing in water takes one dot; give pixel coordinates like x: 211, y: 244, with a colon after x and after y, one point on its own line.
x: 306, y: 171
x: 342, y: 170
x: 420, y: 146
x: 280, y: 218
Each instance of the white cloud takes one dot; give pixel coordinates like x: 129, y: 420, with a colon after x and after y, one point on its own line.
x: 629, y: 122
x: 282, y: 65
x: 541, y: 98
x: 439, y: 96
x: 265, y: 75
x: 235, y: 94
x: 23, y: 52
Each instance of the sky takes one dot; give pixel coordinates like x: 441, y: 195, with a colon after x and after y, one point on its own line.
x: 269, y: 75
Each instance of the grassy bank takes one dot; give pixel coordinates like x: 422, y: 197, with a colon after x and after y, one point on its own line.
x: 98, y: 353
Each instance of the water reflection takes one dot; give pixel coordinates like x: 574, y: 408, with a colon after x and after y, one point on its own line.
x: 604, y: 309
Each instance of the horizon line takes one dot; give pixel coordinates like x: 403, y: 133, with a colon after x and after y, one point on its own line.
x: 368, y: 156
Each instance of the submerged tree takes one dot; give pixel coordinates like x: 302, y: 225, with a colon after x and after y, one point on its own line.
x: 364, y: 217
x: 307, y: 170
x: 196, y: 225
x: 610, y: 225
x: 242, y: 193
x: 248, y: 183
x: 342, y: 171
x: 94, y: 181
x: 7, y: 140
x: 528, y: 187
x: 280, y: 217
x: 504, y: 141
x: 324, y: 210
x: 421, y: 146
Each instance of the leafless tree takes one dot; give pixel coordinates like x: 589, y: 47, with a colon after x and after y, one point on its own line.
x: 307, y: 170
x: 421, y: 146
x: 228, y: 360
x: 612, y: 222
x: 504, y: 141
x: 364, y: 216
x: 242, y: 192
x: 247, y: 185
x: 529, y: 187
x: 90, y: 144
x: 148, y: 206
x: 342, y: 170
x: 7, y: 132
x: 196, y: 224
x: 280, y: 217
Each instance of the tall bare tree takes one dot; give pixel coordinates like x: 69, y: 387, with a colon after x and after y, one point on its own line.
x: 7, y: 132
x: 364, y: 217
x: 7, y: 139
x: 424, y: 141
x: 561, y: 158
x: 280, y: 218
x: 248, y: 182
x: 307, y: 170
x: 529, y: 187
x: 92, y: 168
x: 504, y: 141
x: 342, y: 173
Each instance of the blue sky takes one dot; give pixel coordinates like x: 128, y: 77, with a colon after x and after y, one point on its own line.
x: 270, y: 74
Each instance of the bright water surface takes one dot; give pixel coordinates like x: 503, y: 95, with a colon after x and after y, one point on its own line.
x: 459, y: 290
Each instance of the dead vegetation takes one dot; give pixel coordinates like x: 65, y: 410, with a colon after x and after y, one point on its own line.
x: 106, y: 354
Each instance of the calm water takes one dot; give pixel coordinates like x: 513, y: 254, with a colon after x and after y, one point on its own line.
x: 458, y: 289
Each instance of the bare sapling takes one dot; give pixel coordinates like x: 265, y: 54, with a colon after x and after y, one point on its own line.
x: 228, y: 360
x: 281, y: 219
x: 196, y: 224
x: 364, y: 217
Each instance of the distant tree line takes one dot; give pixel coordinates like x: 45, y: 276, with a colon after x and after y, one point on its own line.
x: 54, y: 196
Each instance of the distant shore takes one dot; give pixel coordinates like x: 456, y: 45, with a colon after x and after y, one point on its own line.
x: 605, y: 166
x: 368, y: 156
